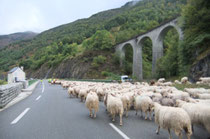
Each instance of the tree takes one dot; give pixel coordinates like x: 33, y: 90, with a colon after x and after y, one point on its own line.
x: 101, y: 40
x: 197, y: 32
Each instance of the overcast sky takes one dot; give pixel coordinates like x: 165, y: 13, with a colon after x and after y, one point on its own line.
x: 40, y: 15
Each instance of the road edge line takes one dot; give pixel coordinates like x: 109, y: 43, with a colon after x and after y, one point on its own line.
x: 119, y: 131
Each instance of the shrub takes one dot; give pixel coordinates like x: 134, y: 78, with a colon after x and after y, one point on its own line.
x: 110, y: 75
x: 116, y: 59
x: 98, y: 61
x: 2, y: 82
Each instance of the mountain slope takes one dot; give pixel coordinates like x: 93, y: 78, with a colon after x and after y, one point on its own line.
x: 100, y: 32
x: 11, y: 38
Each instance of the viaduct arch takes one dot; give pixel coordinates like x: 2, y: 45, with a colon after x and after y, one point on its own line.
x: 156, y: 35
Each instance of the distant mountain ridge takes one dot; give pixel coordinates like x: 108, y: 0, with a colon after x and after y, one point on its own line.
x: 19, y: 36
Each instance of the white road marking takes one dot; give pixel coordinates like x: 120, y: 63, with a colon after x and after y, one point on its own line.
x: 42, y: 87
x: 20, y: 116
x: 38, y: 97
x: 119, y: 131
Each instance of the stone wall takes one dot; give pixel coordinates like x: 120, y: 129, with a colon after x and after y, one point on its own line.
x: 9, y: 92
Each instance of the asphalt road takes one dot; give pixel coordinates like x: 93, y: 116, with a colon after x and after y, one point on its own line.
x: 49, y: 113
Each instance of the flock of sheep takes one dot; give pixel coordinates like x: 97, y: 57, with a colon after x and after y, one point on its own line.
x: 173, y: 109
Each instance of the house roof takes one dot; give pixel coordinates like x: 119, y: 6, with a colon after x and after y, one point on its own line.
x: 13, y: 70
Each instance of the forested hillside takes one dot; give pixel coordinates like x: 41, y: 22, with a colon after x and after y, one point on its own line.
x: 90, y: 42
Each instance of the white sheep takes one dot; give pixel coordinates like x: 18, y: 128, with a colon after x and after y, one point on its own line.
x: 126, y: 103
x: 172, y: 118
x: 184, y: 80
x: 177, y: 82
x: 100, y: 92
x: 115, y: 106
x: 92, y: 103
x: 203, y: 101
x: 161, y: 80
x: 205, y: 80
x: 202, y: 96
x: 199, y: 113
x: 71, y: 91
x: 143, y: 103
x: 83, y: 94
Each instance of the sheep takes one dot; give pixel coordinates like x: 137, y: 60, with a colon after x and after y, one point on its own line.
x: 178, y: 95
x: 167, y: 102
x: 202, y: 96
x: 76, y: 91
x: 198, y: 83
x: 177, y: 82
x: 205, y: 80
x: 65, y: 84
x: 199, y: 113
x: 115, y: 106
x: 172, y: 118
x: 83, y: 94
x: 156, y: 97
x: 161, y: 80
x: 126, y: 103
x: 184, y: 80
x: 198, y: 92
x: 143, y: 103
x: 100, y: 92
x: 71, y: 92
x: 92, y: 103
x: 191, y: 100
x: 152, y: 82
x: 167, y: 84
x: 203, y: 101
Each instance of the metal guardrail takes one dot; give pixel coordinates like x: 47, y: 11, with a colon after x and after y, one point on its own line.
x: 9, y: 92
x: 91, y: 80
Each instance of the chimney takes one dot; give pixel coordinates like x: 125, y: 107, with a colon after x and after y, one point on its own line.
x: 21, y: 68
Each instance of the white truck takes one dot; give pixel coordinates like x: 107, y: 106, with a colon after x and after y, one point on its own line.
x: 124, y: 78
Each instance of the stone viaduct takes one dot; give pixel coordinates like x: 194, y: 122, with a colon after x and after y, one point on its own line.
x: 156, y: 35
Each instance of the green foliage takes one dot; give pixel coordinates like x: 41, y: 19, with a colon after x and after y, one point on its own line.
x: 31, y: 82
x: 116, y: 59
x: 101, y: 31
x: 26, y: 63
x: 98, y: 61
x: 101, y: 40
x: 110, y: 75
x: 2, y: 82
x: 197, y: 32
x: 167, y: 66
x: 128, y: 60
x: 147, y: 58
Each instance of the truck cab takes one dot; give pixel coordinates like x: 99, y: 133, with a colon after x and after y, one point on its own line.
x: 125, y: 78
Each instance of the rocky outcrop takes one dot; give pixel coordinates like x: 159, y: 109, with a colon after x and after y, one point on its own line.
x: 71, y: 68
x: 200, y: 69
x: 79, y: 67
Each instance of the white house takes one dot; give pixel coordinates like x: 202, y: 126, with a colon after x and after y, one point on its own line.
x: 16, y: 74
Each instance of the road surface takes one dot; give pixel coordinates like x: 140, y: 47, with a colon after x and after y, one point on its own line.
x: 49, y: 113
